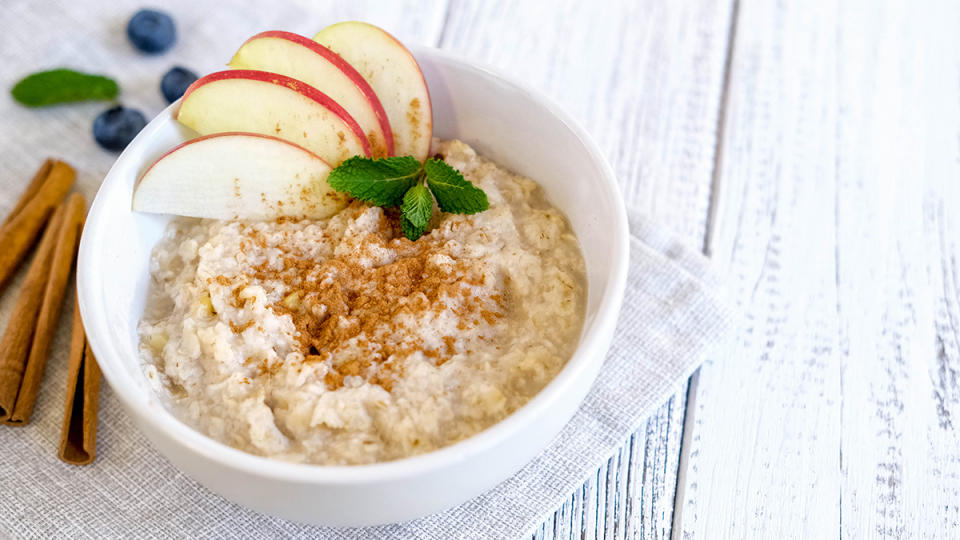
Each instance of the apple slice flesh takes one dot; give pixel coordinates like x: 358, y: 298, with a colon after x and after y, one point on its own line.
x: 271, y: 104
x: 304, y: 59
x: 238, y: 176
x: 394, y: 75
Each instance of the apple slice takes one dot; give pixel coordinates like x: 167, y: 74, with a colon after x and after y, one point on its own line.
x: 304, y: 59
x: 272, y: 104
x: 238, y: 176
x: 394, y: 75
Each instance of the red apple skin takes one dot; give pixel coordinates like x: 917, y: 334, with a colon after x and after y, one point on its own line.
x: 347, y: 69
x: 300, y: 87
x: 227, y: 134
x: 428, y: 110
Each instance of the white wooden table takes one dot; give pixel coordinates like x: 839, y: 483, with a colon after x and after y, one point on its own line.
x: 812, y: 149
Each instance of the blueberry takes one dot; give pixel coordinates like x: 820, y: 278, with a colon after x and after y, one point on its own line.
x: 175, y: 82
x: 116, y: 127
x: 151, y: 31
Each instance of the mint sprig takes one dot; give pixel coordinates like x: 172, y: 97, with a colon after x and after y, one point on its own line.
x: 381, y: 182
x: 62, y: 86
x: 398, y: 181
x: 454, y: 193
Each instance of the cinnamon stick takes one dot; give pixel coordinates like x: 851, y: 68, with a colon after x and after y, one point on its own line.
x: 78, y: 435
x: 61, y: 263
x: 22, y: 229
x: 38, y: 179
x: 15, y: 344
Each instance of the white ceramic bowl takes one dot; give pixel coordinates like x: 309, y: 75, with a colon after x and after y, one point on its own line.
x: 505, y: 121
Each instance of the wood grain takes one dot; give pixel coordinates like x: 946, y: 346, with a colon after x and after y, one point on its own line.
x: 764, y: 452
x: 898, y: 160
x: 837, y: 223
x: 645, y: 79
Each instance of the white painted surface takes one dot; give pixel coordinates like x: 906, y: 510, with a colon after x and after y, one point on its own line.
x: 836, y: 411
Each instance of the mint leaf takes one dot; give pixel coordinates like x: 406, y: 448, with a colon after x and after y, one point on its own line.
x: 416, y: 209
x: 454, y: 193
x: 377, y: 181
x: 410, y: 230
x: 61, y: 86
x: 417, y: 205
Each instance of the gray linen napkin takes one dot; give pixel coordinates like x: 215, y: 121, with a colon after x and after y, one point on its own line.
x: 671, y: 318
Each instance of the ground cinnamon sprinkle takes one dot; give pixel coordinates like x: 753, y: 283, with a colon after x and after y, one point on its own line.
x: 344, y: 304
x: 239, y: 328
x: 449, y: 341
x: 235, y: 295
x: 489, y: 316
x: 220, y: 280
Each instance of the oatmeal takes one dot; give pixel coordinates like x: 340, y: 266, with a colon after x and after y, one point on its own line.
x: 339, y: 341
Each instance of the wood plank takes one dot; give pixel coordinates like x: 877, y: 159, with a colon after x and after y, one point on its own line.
x: 660, y: 468
x: 764, y: 452
x: 899, y: 229
x: 411, y: 21
x: 834, y: 410
x: 644, y: 78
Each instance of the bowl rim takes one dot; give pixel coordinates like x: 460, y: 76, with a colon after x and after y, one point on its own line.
x: 92, y: 311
